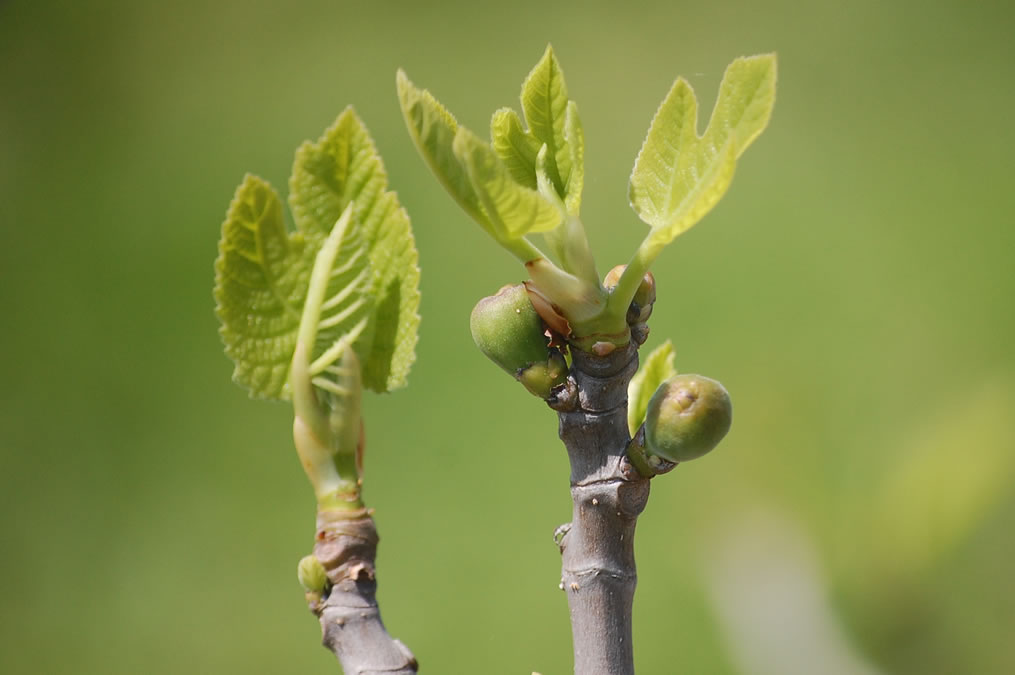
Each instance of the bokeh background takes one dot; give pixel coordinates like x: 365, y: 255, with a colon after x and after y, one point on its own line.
x: 854, y: 291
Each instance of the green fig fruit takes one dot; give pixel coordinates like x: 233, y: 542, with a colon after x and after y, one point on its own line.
x: 687, y: 416
x: 508, y: 330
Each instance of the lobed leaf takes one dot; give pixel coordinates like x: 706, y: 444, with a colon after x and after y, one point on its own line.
x: 656, y: 369
x: 744, y: 105
x: 708, y: 189
x: 343, y: 168
x: 679, y: 176
x: 511, y: 210
x: 261, y: 276
x: 663, y: 171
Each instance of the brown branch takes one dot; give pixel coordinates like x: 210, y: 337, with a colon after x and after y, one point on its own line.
x: 351, y: 626
x: 608, y: 494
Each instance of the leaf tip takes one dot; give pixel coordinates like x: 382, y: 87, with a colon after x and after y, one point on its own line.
x: 406, y: 89
x: 402, y: 80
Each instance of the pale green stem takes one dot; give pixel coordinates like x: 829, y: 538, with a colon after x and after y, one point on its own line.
x: 578, y: 257
x: 326, y: 436
x: 580, y: 300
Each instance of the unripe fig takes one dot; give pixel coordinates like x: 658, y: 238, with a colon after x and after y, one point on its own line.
x: 643, y: 298
x: 687, y: 416
x: 508, y: 330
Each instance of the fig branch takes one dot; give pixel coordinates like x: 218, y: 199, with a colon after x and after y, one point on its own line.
x: 315, y: 317
x: 686, y: 417
x: 572, y: 340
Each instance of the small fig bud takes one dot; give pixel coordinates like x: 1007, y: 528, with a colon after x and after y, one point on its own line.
x: 644, y: 297
x: 312, y: 574
x: 541, y: 378
x: 508, y: 330
x: 687, y: 416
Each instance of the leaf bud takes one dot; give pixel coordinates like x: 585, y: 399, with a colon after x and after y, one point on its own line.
x: 687, y: 416
x: 508, y: 330
x: 312, y: 574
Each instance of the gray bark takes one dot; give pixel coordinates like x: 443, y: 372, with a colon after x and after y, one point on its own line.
x: 351, y: 623
x: 608, y: 494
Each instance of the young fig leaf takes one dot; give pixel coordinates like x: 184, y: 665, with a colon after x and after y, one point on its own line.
x: 433, y: 130
x: 343, y: 168
x: 680, y: 176
x: 574, y: 137
x: 656, y: 369
x: 545, y: 102
x: 515, y: 147
x: 512, y: 210
x: 744, y: 105
x: 261, y: 276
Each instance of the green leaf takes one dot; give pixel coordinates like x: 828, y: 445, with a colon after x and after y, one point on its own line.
x: 511, y: 210
x: 744, y: 105
x: 516, y: 147
x: 343, y: 168
x: 433, y: 130
x: 545, y: 102
x: 679, y: 176
x: 574, y: 137
x: 662, y: 176
x: 656, y: 369
x: 261, y: 276
x: 553, y: 123
x: 706, y: 191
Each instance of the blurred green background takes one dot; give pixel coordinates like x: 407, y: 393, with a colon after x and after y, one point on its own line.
x: 853, y: 291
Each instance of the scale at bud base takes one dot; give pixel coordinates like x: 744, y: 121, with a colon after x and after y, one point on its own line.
x: 687, y: 417
x: 508, y: 330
